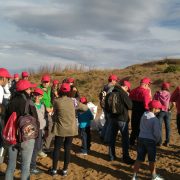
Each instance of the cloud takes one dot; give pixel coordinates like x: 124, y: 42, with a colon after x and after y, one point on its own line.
x: 95, y: 33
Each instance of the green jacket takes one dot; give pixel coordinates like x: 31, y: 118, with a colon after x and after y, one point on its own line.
x: 46, y: 100
x: 65, y: 123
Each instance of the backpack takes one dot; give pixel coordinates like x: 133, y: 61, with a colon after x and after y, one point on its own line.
x: 113, y: 104
x: 27, y: 125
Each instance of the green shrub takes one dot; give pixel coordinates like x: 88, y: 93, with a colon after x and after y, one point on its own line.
x: 171, y: 68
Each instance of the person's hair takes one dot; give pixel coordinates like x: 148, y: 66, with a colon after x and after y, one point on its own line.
x: 64, y: 94
x: 164, y: 88
x: 1, y: 78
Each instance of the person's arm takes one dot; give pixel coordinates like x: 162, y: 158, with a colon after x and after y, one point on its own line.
x: 127, y: 101
x: 157, y: 130
x: 147, y: 99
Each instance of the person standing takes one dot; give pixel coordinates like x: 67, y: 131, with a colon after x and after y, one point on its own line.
x: 140, y: 96
x: 46, y: 100
x: 120, y: 121
x: 175, y: 97
x: 64, y: 126
x: 18, y: 105
x: 149, y: 136
x: 164, y: 115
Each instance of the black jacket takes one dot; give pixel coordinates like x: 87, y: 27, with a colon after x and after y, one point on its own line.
x: 18, y: 103
x: 125, y: 103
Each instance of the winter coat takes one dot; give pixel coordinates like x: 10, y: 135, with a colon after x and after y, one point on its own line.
x: 64, y: 118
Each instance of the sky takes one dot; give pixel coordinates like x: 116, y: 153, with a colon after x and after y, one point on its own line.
x: 93, y: 33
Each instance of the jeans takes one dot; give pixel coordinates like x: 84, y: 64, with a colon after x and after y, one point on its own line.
x: 123, y: 127
x: 58, y: 142
x: 37, y: 148
x: 26, y: 155
x: 166, y: 116
x: 86, y: 138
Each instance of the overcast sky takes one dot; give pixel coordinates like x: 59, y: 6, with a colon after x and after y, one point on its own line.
x: 95, y: 33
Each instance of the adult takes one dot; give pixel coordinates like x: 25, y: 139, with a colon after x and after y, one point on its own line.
x: 18, y: 104
x: 13, y: 85
x: 64, y: 126
x: 112, y: 80
x: 46, y: 100
x: 25, y: 75
x: 140, y: 96
x: 120, y: 121
x: 175, y: 97
x: 164, y: 96
x: 4, y: 76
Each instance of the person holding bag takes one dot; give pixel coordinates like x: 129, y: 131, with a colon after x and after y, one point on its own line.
x: 19, y: 105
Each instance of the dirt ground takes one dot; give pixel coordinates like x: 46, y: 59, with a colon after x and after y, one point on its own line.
x: 95, y: 165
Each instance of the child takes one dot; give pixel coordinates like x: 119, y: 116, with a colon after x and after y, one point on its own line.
x: 149, y: 136
x: 84, y: 119
x: 40, y: 108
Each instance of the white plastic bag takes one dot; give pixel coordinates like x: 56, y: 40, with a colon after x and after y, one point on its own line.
x: 93, y: 108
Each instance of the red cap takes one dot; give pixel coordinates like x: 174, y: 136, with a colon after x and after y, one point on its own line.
x: 155, y: 104
x: 38, y: 91
x: 165, y: 85
x: 25, y: 74
x: 55, y: 82
x: 146, y: 80
x: 128, y: 84
x: 83, y: 100
x: 70, y: 80
x: 24, y: 84
x: 16, y: 75
x: 112, y: 77
x: 45, y: 78
x: 4, y: 73
x: 65, y: 87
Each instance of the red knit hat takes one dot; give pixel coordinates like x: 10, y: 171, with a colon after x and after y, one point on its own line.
x: 146, y: 80
x: 155, y: 104
x: 38, y: 91
x: 55, y: 82
x: 16, y: 75
x: 83, y: 100
x: 25, y: 74
x: 128, y: 84
x: 4, y: 73
x: 112, y: 77
x: 45, y: 78
x: 165, y: 85
x: 24, y: 84
x: 65, y: 87
x: 70, y: 80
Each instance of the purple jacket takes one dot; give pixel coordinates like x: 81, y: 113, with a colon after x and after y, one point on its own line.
x: 164, y: 97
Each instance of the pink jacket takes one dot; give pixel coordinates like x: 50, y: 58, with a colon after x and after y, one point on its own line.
x: 164, y: 97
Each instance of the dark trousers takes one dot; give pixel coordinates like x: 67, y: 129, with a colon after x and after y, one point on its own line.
x: 166, y: 117
x: 48, y: 139
x: 37, y: 147
x: 123, y: 127
x: 85, y: 134
x: 135, y: 125
x: 178, y: 123
x: 58, y: 142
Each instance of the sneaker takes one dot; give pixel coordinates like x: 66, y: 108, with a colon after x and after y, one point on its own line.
x: 47, y: 150
x: 135, y: 178
x: 157, y: 178
x: 36, y: 171
x: 128, y: 160
x: 83, y: 153
x: 42, y: 154
x: 64, y: 172
x: 166, y: 144
x: 53, y: 172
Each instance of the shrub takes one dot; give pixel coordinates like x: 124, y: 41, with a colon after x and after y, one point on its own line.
x: 171, y: 68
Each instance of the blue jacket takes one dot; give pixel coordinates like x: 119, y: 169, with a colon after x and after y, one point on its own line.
x: 84, y: 118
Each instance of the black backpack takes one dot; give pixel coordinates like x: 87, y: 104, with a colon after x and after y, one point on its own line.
x: 113, y: 103
x: 27, y: 125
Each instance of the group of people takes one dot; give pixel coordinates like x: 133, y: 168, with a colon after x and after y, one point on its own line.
x: 62, y: 114
x: 148, y: 114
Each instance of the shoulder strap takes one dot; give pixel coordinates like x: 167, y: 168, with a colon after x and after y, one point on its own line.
x: 26, y: 111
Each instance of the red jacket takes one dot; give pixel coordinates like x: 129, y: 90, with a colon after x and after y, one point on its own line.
x: 175, y: 97
x: 141, y: 94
